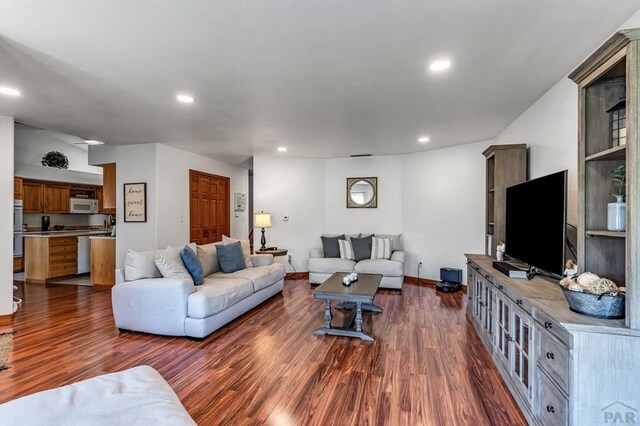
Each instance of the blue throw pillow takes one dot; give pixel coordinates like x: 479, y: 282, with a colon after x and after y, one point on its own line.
x: 193, y: 265
x: 230, y: 257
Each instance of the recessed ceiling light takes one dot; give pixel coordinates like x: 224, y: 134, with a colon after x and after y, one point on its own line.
x: 282, y: 149
x: 423, y: 139
x: 440, y: 65
x: 93, y: 142
x: 185, y: 99
x: 9, y: 91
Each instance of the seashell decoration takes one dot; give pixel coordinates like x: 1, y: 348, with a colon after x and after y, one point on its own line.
x: 566, y: 282
x: 575, y: 287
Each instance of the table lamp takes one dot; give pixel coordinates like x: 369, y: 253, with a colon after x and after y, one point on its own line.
x: 263, y: 220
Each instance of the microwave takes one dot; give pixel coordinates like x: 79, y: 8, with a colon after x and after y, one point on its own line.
x: 83, y: 206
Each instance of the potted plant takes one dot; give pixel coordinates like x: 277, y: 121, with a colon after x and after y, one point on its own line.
x: 617, y: 211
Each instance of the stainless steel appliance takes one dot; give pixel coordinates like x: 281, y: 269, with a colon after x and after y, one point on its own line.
x: 83, y: 206
x: 84, y: 255
x: 17, y: 228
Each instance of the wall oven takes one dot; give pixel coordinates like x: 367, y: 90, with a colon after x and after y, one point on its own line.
x: 17, y: 228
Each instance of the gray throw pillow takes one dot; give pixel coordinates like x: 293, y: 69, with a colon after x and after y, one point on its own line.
x: 361, y: 248
x: 330, y: 246
x: 230, y: 257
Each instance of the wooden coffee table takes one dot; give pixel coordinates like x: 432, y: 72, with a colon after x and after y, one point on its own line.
x: 358, y: 297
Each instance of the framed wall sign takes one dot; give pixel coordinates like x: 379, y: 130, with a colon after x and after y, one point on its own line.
x: 135, y: 202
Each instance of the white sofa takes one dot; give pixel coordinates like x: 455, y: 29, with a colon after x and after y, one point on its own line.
x: 176, y: 307
x: 392, y: 270
x: 137, y: 396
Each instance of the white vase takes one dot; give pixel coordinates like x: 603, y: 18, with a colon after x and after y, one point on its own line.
x: 617, y: 214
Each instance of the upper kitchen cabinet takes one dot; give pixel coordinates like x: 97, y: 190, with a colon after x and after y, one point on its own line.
x: 32, y: 197
x: 17, y: 188
x: 109, y: 187
x: 56, y: 198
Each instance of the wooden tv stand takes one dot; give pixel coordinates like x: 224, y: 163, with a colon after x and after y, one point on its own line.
x: 561, y: 367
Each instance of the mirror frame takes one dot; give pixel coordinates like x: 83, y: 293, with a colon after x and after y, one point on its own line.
x: 373, y: 203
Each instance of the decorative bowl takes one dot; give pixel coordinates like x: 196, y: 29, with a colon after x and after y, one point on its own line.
x: 599, y: 306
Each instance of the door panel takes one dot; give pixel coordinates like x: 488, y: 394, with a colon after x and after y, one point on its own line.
x: 209, y: 207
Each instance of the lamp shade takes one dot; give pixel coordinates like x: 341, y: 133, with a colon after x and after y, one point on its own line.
x: 263, y: 220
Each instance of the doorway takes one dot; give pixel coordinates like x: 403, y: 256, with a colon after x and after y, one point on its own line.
x: 209, y: 214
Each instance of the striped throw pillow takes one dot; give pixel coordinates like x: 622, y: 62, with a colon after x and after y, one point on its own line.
x: 381, y: 248
x: 346, y: 249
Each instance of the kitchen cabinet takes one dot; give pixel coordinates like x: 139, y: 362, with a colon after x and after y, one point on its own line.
x: 109, y: 187
x: 50, y: 257
x: 56, y: 198
x: 101, y: 208
x: 103, y: 261
x: 33, y: 197
x: 17, y: 188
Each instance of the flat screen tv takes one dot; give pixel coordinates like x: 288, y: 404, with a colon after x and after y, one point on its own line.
x: 536, y: 220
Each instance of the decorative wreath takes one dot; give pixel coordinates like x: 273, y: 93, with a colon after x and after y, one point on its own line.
x: 55, y: 159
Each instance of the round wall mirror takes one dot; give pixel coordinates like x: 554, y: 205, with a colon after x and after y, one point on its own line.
x: 362, y: 192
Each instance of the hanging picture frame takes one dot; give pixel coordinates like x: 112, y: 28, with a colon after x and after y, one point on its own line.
x: 135, y: 202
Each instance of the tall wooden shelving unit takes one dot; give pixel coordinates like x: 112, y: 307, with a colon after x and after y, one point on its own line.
x: 506, y: 166
x: 610, y: 74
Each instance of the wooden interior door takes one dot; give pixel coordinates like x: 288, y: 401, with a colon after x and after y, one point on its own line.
x: 209, y: 214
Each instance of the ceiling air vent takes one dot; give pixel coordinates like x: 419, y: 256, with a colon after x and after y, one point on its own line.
x: 360, y: 155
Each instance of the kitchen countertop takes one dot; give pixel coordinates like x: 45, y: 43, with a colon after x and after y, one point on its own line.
x: 102, y: 237
x: 79, y: 233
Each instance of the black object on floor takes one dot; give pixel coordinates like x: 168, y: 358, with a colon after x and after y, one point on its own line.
x: 450, y: 280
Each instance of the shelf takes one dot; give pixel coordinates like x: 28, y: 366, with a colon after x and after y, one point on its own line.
x: 491, y: 223
x: 492, y: 190
x: 602, y: 233
x: 615, y: 153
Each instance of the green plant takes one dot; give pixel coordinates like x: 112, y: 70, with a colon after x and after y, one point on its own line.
x: 619, y: 179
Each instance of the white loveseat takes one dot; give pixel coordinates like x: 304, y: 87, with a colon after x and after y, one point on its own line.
x: 177, y: 307
x: 392, y: 270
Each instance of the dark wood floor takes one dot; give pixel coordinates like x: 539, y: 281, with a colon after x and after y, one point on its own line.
x: 426, y: 366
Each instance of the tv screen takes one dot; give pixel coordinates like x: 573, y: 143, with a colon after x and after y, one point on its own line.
x: 536, y: 222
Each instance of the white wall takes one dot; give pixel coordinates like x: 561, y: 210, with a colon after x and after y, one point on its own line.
x: 6, y: 214
x: 434, y: 198
x: 386, y: 218
x: 173, y: 167
x: 443, y: 207
x: 166, y: 173
x: 136, y: 164
x: 549, y: 127
x: 291, y: 187
x: 31, y: 144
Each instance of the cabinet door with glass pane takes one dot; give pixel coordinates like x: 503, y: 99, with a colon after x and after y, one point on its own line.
x: 522, y: 347
x: 503, y: 329
x: 477, y: 298
x: 488, y: 315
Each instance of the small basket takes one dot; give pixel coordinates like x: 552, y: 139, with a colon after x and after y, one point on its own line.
x: 598, y: 306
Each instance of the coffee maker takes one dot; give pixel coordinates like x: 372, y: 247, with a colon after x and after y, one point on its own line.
x: 46, y: 222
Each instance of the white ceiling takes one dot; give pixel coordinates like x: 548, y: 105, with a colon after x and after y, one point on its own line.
x: 326, y: 78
